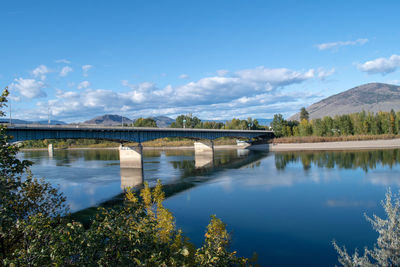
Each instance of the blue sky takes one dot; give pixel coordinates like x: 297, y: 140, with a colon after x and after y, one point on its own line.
x: 216, y: 59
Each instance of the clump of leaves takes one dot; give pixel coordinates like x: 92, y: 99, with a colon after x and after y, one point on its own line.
x: 386, y: 251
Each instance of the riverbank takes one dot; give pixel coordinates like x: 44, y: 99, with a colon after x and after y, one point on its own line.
x: 343, y: 145
x: 392, y: 142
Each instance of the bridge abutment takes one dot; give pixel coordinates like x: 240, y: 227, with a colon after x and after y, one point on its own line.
x: 204, y: 154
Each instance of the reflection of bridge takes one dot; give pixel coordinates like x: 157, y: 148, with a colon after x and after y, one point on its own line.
x: 191, y: 176
x: 132, y: 157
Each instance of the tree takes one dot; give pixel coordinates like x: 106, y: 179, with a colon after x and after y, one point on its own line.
x: 21, y: 198
x: 387, y: 250
x: 278, y: 124
x: 186, y: 121
x: 145, y: 122
x: 304, y: 114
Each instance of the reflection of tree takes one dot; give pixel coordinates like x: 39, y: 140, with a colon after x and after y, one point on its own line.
x: 365, y: 160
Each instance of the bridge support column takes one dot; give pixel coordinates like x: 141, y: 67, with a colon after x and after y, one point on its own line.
x: 51, y: 150
x: 204, y: 154
x: 131, y: 157
x: 131, y: 164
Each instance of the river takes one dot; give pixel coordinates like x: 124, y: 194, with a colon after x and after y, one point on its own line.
x: 287, y: 207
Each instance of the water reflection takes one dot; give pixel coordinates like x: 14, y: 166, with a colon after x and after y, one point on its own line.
x: 365, y: 160
x: 131, y: 177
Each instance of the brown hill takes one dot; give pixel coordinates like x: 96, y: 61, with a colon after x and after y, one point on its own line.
x: 371, y: 97
x: 109, y: 120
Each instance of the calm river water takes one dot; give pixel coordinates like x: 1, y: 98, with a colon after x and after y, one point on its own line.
x: 287, y: 207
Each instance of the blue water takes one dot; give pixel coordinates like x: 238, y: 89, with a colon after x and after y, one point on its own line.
x: 286, y: 207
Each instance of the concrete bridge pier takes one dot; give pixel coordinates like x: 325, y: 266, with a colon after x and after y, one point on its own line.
x: 131, y: 164
x: 131, y: 156
x: 51, y: 150
x: 204, y: 154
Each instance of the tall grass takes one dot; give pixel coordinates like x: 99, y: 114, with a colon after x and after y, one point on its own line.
x: 315, y: 139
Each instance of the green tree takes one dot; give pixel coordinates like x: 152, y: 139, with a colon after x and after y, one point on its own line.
x: 305, y: 128
x: 278, y: 125
x: 304, y: 114
x: 145, y: 122
x: 186, y: 121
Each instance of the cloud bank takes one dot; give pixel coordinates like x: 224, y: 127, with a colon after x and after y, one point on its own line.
x: 256, y: 92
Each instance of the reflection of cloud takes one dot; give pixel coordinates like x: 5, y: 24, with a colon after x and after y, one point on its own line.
x: 289, y: 178
x: 383, y: 179
x: 333, y: 203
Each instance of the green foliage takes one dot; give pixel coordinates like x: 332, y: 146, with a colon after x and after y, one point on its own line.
x: 186, y: 121
x: 214, y: 251
x: 145, y: 122
x: 21, y: 199
x: 304, y: 114
x: 361, y: 123
x: 387, y: 250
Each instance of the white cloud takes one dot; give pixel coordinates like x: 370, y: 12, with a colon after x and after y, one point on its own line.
x: 183, y: 76
x: 85, y: 69
x: 253, y: 92
x: 324, y: 73
x: 83, y: 85
x: 381, y: 65
x: 28, y: 88
x: 333, y: 45
x: 65, y: 61
x: 41, y: 72
x: 64, y: 71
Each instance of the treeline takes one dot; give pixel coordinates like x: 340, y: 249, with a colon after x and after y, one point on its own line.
x: 365, y: 160
x: 190, y: 121
x: 362, y: 123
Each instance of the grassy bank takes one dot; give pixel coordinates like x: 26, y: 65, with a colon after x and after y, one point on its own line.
x: 87, y: 143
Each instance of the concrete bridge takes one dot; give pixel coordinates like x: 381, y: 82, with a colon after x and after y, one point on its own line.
x: 131, y: 157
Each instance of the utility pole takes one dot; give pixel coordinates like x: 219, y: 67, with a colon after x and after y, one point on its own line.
x: 10, y: 114
x: 48, y: 116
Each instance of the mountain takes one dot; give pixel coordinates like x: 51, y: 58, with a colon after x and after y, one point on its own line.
x: 109, y: 120
x: 43, y: 122
x: 371, y: 97
x: 163, y: 121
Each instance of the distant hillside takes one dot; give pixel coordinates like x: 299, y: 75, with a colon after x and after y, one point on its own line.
x: 109, y: 120
x: 163, y: 121
x: 17, y: 121
x: 372, y: 97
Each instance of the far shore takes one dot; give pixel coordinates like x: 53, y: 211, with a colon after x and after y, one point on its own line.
x: 340, y: 145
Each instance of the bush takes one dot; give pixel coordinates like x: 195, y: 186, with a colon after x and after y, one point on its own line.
x: 387, y: 250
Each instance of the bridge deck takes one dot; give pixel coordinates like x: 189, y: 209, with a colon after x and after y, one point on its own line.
x: 119, y: 133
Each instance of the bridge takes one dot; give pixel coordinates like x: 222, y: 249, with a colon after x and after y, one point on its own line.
x: 131, y: 157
